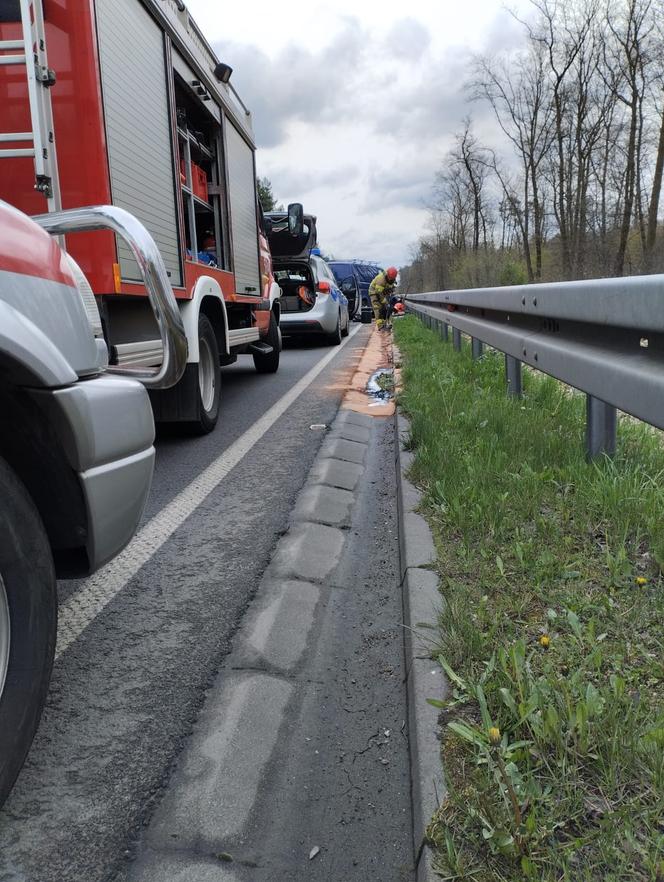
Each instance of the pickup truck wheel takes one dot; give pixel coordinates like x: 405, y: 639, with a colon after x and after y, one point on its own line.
x: 334, y: 339
x: 209, y: 378
x: 269, y: 364
x: 28, y: 623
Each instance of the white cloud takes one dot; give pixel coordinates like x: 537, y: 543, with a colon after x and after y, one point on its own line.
x: 355, y: 104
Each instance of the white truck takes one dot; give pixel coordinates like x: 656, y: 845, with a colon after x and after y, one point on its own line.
x: 76, y: 441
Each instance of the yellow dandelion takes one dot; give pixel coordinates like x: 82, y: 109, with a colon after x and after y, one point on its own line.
x: 641, y: 581
x: 494, y: 735
x: 545, y: 641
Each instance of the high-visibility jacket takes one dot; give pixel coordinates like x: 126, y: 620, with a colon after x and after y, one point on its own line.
x: 381, y: 288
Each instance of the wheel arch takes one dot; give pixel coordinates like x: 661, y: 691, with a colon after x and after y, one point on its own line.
x: 31, y: 446
x: 209, y: 300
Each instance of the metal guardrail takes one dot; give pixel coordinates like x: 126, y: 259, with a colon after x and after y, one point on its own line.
x: 604, y: 337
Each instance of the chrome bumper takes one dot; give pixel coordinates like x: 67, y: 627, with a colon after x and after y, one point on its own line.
x: 106, y: 429
x: 155, y: 277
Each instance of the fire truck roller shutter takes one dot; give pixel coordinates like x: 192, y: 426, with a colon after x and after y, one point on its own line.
x: 244, y: 223
x: 138, y: 127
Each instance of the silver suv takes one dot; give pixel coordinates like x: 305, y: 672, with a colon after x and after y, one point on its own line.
x: 76, y: 443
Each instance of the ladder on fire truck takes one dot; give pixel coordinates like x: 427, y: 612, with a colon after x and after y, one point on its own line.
x: 31, y: 52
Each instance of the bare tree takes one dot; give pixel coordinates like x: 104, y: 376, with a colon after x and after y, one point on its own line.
x: 581, y: 108
x: 517, y: 91
x: 625, y: 72
x: 562, y: 30
x: 658, y: 102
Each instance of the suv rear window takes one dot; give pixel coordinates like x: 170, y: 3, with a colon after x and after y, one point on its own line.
x: 341, y: 270
x: 367, y: 273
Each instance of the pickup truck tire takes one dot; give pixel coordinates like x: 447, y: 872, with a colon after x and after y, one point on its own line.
x: 209, y: 378
x: 28, y: 623
x: 334, y: 339
x: 269, y: 364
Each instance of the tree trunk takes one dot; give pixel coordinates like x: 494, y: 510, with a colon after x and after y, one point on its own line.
x: 630, y: 172
x: 653, y: 207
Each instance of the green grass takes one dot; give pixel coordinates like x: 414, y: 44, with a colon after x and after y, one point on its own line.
x: 536, y: 547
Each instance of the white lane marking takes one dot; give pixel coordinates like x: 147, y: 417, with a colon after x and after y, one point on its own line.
x: 79, y: 610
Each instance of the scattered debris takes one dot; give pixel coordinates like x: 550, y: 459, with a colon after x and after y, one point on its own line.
x: 314, y: 851
x: 381, y: 384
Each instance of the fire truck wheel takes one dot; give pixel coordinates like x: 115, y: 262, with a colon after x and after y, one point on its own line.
x: 269, y: 364
x: 209, y: 377
x: 28, y: 623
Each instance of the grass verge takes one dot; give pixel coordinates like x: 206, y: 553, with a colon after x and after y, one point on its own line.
x: 551, y: 634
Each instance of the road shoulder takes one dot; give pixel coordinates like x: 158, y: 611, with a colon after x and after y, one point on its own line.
x: 299, y: 761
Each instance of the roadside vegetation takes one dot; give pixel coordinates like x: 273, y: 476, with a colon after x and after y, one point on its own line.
x: 551, y: 628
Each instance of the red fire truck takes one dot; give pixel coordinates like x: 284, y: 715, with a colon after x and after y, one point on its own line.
x: 124, y: 102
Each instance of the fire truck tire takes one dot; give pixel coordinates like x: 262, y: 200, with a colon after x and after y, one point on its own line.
x: 269, y: 364
x: 28, y: 623
x: 209, y: 378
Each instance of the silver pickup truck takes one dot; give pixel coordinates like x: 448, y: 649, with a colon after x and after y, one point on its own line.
x: 76, y: 442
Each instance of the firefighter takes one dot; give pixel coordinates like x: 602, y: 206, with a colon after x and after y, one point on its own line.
x: 381, y: 290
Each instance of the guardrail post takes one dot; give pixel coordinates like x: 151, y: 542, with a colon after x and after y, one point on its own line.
x: 513, y: 375
x: 456, y: 339
x: 601, y: 421
x: 444, y: 331
x: 477, y: 347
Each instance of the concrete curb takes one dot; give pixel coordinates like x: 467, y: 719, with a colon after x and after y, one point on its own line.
x: 425, y: 679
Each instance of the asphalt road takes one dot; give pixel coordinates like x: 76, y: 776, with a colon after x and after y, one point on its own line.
x: 127, y: 691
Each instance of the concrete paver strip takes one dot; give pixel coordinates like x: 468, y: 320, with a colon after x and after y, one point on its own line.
x: 422, y: 605
x: 425, y: 680
x: 324, y: 505
x: 336, y: 473
x: 353, y: 418
x: 351, y: 432
x: 410, y: 496
x: 215, y: 785
x: 417, y: 542
x: 277, y: 627
x: 308, y: 551
x: 338, y: 448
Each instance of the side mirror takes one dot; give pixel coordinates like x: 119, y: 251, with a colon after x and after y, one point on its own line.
x: 324, y: 287
x: 349, y: 286
x: 295, y: 219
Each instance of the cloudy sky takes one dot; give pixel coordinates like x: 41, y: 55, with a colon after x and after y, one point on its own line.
x: 356, y: 102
